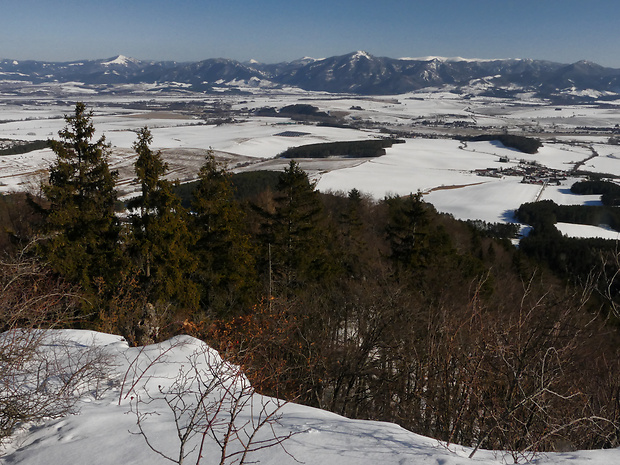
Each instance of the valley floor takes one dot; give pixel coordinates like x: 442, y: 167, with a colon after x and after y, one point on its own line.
x: 446, y: 170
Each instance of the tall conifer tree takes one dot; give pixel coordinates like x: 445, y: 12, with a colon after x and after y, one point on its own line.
x: 226, y: 268
x: 83, y: 229
x: 160, y: 239
x: 294, y: 229
x: 407, y: 231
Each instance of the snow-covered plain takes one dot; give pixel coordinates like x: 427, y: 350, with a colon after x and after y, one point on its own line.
x: 442, y: 169
x: 103, y: 429
x: 585, y: 230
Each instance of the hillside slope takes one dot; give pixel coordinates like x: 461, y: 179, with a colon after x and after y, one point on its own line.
x: 104, y: 430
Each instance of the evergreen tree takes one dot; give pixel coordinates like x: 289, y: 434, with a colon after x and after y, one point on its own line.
x: 159, y: 238
x: 226, y: 268
x: 294, y: 236
x: 82, y: 227
x: 407, y: 231
x: 351, y: 227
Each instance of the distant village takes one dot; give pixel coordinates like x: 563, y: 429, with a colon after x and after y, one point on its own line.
x: 531, y: 172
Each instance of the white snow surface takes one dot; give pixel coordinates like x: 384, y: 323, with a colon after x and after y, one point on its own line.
x: 101, y: 432
x: 120, y: 60
x: 585, y: 230
x: 448, y: 59
x: 442, y: 169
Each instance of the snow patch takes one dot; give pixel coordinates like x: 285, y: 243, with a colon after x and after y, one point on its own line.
x: 587, y: 231
x: 359, y: 55
x: 449, y: 59
x: 100, y: 432
x: 120, y: 60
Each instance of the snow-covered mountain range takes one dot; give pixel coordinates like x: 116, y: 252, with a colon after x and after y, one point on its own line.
x: 357, y: 72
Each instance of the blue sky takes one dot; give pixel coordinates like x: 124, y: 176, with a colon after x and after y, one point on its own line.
x: 276, y: 30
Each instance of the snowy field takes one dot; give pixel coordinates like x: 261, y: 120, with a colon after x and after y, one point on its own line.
x: 255, y: 140
x: 443, y: 169
x: 103, y: 430
x: 584, y: 230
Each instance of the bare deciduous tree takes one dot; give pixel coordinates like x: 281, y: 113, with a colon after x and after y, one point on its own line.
x: 211, y: 404
x: 41, y: 375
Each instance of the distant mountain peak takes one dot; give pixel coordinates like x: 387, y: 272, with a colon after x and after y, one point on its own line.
x: 361, y: 54
x: 120, y: 60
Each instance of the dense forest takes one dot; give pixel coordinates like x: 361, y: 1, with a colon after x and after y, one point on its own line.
x: 24, y: 147
x: 522, y: 143
x: 353, y: 149
x: 381, y: 310
x: 609, y: 191
x: 573, y: 258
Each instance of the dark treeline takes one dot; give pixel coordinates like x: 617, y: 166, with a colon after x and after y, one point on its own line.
x: 24, y: 148
x: 358, y: 148
x: 245, y: 186
x: 582, y: 260
x: 521, y: 143
x: 380, y: 310
x: 609, y: 191
x: 297, y: 112
x: 301, y: 109
x: 547, y: 212
x: 501, y: 231
x: 306, y: 113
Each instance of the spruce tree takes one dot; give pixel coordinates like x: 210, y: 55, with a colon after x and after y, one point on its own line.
x: 351, y: 230
x: 407, y: 231
x: 294, y: 236
x: 82, y: 228
x: 226, y: 266
x: 159, y: 239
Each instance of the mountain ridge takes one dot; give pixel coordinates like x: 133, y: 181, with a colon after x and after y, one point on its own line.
x: 356, y: 72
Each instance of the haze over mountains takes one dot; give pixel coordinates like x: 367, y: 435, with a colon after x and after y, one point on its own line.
x: 357, y: 72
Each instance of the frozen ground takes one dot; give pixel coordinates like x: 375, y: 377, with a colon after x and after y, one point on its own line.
x: 184, y: 143
x: 443, y: 169
x: 103, y: 430
x: 584, y: 230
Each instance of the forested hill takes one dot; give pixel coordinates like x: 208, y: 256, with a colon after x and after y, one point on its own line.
x: 383, y: 310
